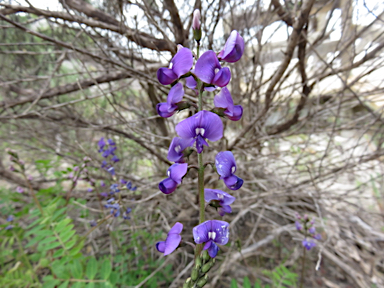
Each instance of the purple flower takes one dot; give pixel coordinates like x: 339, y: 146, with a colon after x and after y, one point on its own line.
x: 101, y: 144
x: 175, y: 152
x: 76, y: 168
x: 114, y: 188
x: 12, y: 168
x: 104, y: 194
x: 226, y: 167
x: 10, y: 218
x: 110, y: 142
x: 114, y: 159
x: 9, y: 227
x: 220, y: 200
x: 196, y: 19
x: 19, y: 189
x: 298, y: 225
x: 167, y: 109
x: 317, y: 236
x: 224, y: 100
x: 129, y: 185
x: 180, y: 64
x: 126, y: 214
x: 90, y: 189
x: 111, y: 171
x: 93, y: 223
x: 312, y: 230
x: 233, y: 48
x: 109, y: 151
x: 175, y: 173
x: 102, y: 184
x: 203, y: 125
x: 208, y: 70
x: 104, y: 164
x: 308, y: 244
x: 211, y: 232
x: 173, y: 240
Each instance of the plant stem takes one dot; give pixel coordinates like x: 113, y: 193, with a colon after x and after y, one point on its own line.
x: 33, y: 194
x: 303, y: 267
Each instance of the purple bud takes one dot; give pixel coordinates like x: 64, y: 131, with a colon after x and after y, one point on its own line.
x: 76, y: 168
x: 86, y: 159
x: 9, y: 227
x: 19, y: 189
x: 102, y: 184
x: 317, y: 237
x: 30, y: 178
x: 21, y: 162
x: 312, y: 230
x: 104, y: 194
x: 90, y: 189
x: 12, y: 168
x: 10, y: 218
x: 298, y: 225
x: 196, y: 19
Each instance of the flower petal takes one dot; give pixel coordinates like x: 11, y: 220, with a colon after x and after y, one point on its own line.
x: 176, y: 229
x: 160, y: 246
x: 166, y: 76
x: 206, y: 65
x: 212, y: 250
x: 225, y: 164
x: 186, y: 128
x: 212, y: 125
x: 224, y: 209
x: 164, y: 110
x: 233, y: 48
x: 200, y: 232
x: 224, y: 100
x: 167, y: 186
x: 177, y: 171
x: 221, y: 228
x: 182, y: 62
x: 175, y: 151
x: 233, y: 182
x: 172, y: 242
x: 200, y: 142
x: 222, y: 77
x: 215, y: 194
x: 190, y: 82
x: 237, y: 113
x: 175, y: 94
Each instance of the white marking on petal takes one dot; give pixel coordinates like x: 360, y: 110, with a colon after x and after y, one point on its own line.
x: 212, y: 235
x: 220, y: 196
x: 233, y: 169
x: 202, y: 131
x: 217, y: 70
x: 178, y: 148
x: 170, y: 65
x: 169, y: 173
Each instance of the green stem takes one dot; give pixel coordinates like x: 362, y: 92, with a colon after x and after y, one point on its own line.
x: 33, y: 194
x: 303, y: 267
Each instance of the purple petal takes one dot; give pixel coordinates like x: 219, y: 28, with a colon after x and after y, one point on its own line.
x: 312, y: 230
x: 206, y: 65
x: 200, y: 142
x: 212, y: 125
x: 101, y: 143
x: 212, y: 250
x: 190, y: 82
x: 175, y: 152
x: 182, y: 62
x: 224, y: 100
x: 176, y: 229
x: 298, y: 225
x: 225, y: 164
x: 186, y: 128
x: 207, y: 245
x: 167, y: 186
x: 164, y: 110
x: 214, y: 194
x: 177, y: 171
x: 237, y: 113
x: 233, y: 182
x: 221, y: 228
x: 172, y: 242
x: 233, y: 48
x: 200, y: 232
x: 224, y: 209
x: 166, y: 76
x: 160, y: 246
x: 222, y: 77
x: 175, y: 94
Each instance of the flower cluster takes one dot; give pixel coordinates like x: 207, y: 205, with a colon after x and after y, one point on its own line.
x: 108, y: 149
x: 116, y: 209
x: 206, y: 73
x: 307, y: 227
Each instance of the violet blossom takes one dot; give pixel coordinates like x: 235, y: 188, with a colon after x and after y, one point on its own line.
x: 175, y: 173
x: 233, y: 48
x: 211, y: 232
x: 173, y: 240
x: 180, y: 64
x: 219, y: 199
x: 167, y: 109
x: 203, y: 125
x: 226, y: 167
x: 308, y: 244
x: 224, y: 100
x: 175, y: 152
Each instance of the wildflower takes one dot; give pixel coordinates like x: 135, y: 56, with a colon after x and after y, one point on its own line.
x: 211, y: 232
x: 114, y: 188
x: 317, y: 236
x: 90, y: 189
x: 126, y: 214
x: 110, y: 142
x: 104, y: 194
x: 203, y: 125
x: 102, y: 184
x: 190, y: 82
x: 173, y: 240
x: 233, y: 48
x: 76, y: 168
x: 19, y: 189
x: 226, y: 167
x: 114, y: 206
x: 175, y: 173
x: 220, y: 200
x: 175, y: 152
x: 10, y: 218
x: 109, y: 151
x: 9, y: 227
x: 30, y: 178
x: 12, y: 168
x: 308, y: 244
x: 312, y: 230
x: 134, y: 188
x: 209, y: 70
x: 298, y: 225
x: 180, y: 64
x: 111, y: 171
x: 114, y: 159
x: 167, y: 109
x: 129, y: 185
x: 93, y: 223
x: 101, y: 144
x: 224, y: 100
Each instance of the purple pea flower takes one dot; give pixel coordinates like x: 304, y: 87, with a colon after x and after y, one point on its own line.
x: 308, y: 244
x: 220, y: 200
x: 101, y: 144
x: 89, y: 189
x: 226, y: 167
x: 175, y: 152
x: 203, y: 125
x: 10, y: 218
x: 175, y: 173
x: 173, y: 240
x: 298, y: 225
x: 111, y: 171
x: 110, y: 142
x: 233, y: 48
x: 126, y: 214
x: 9, y: 227
x: 208, y: 70
x: 317, y: 236
x: 102, y: 184
x: 109, y: 151
x: 180, y: 64
x: 312, y: 230
x: 129, y: 185
x: 167, y: 109
x: 114, y: 159
x: 224, y: 100
x: 211, y: 232
x: 19, y: 189
x: 104, y: 194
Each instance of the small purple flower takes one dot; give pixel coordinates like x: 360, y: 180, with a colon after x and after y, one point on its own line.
x: 104, y: 194
x: 114, y: 188
x: 90, y: 189
x: 109, y: 151
x: 129, y: 185
x: 126, y: 214
x: 312, y: 230
x: 233, y: 48
x: 211, y: 232
x: 102, y: 184
x: 110, y: 142
x: 12, y: 168
x: 173, y: 240
x: 111, y: 171
x: 298, y: 225
x: 209, y: 70
x: 167, y: 109
x: 10, y: 218
x: 317, y: 236
x: 101, y: 144
x: 9, y: 227
x: 76, y: 168
x: 180, y: 64
x: 104, y: 164
x: 196, y: 19
x: 30, y: 178
x: 308, y: 244
x: 175, y: 173
x: 224, y: 100
x: 203, y: 125
x: 93, y: 223
x: 114, y: 159
x: 19, y: 189
x: 175, y: 152
x: 220, y: 200
x: 226, y: 167
x: 134, y: 188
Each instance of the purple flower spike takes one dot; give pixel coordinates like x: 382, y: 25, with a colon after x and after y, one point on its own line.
x: 211, y: 232
x: 175, y: 152
x: 101, y: 144
x: 308, y: 244
x: 233, y: 48
x: 175, y: 173
x: 181, y: 63
x: 208, y: 70
x: 167, y: 109
x: 224, y: 100
x: 173, y: 240
x: 226, y: 167
x: 203, y: 125
x: 221, y: 200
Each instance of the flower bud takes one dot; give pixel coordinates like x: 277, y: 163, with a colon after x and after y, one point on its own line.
x: 194, y: 274
x: 196, y: 20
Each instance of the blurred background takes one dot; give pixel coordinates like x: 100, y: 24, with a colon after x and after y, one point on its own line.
x: 310, y: 140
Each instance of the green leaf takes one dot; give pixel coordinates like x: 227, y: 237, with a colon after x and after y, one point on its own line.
x: 91, y: 269
x: 65, y: 236
x: 64, y: 284
x: 58, y: 253
x: 106, y: 269
x: 76, y: 269
x: 62, y: 224
x: 90, y: 285
x: 233, y: 283
x: 247, y: 283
